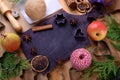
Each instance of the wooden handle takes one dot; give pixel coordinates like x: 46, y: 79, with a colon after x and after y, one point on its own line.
x: 3, y: 7
x: 5, y: 10
x: 39, y: 28
x: 14, y: 23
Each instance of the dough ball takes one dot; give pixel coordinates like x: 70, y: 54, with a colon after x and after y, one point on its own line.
x: 35, y: 9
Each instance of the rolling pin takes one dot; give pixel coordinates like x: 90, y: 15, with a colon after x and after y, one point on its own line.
x: 5, y: 10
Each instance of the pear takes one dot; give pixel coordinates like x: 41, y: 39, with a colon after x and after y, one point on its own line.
x: 10, y: 42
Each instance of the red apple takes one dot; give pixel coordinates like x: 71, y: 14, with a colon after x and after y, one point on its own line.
x: 97, y: 30
x: 10, y: 42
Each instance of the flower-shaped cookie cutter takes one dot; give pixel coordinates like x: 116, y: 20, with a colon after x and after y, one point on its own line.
x: 60, y: 19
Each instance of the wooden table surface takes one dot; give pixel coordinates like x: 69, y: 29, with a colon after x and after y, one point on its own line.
x: 55, y: 74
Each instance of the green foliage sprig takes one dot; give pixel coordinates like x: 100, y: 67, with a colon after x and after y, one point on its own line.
x: 13, y: 1
x: 11, y: 66
x: 113, y: 31
x: 104, y: 70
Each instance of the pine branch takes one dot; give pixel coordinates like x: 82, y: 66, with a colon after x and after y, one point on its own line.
x: 104, y: 70
x: 13, y: 1
x: 11, y: 66
x: 113, y: 31
x: 116, y: 45
x: 88, y: 73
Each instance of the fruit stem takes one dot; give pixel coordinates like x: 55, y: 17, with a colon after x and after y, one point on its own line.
x: 3, y: 35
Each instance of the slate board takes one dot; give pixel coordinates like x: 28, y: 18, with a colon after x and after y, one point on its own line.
x: 59, y: 42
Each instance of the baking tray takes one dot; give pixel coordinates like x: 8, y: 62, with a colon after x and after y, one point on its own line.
x: 50, y: 9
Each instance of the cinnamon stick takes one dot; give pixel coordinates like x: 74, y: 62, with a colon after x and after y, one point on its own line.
x: 40, y: 28
x: 71, y: 3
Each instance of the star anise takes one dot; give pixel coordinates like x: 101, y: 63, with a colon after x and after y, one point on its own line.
x: 73, y: 22
x: 27, y: 37
x: 33, y: 50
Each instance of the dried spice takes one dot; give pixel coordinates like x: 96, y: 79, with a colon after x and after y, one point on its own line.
x: 33, y: 50
x: 60, y: 61
x: 60, y: 19
x: 27, y: 37
x: 39, y: 63
x: 40, y: 28
x: 79, y: 34
x: 73, y: 22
